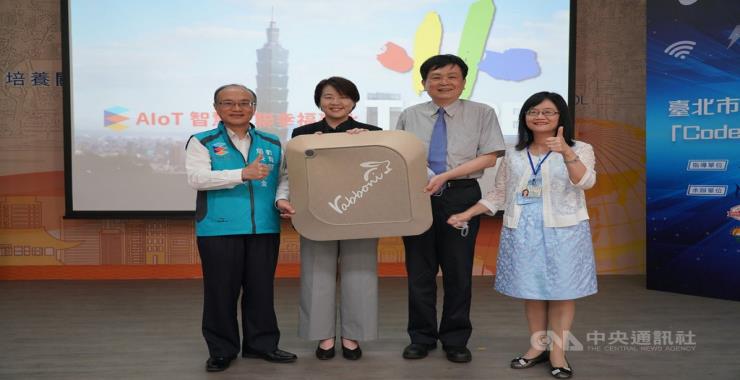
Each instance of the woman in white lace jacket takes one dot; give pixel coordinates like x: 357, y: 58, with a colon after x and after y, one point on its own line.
x: 546, y: 254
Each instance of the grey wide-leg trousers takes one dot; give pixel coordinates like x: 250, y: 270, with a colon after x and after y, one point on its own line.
x: 357, y: 263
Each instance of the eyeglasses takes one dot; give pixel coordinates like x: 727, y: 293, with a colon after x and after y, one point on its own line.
x: 231, y: 104
x: 545, y: 113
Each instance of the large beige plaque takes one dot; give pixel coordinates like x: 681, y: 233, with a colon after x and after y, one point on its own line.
x: 371, y: 184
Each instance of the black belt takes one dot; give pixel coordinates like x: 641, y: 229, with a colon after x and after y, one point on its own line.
x: 461, y: 183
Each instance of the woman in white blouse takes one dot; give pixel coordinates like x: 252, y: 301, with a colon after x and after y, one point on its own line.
x: 546, y: 254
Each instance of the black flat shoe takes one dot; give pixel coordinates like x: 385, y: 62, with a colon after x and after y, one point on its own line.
x: 418, y: 350
x: 277, y: 356
x: 458, y: 354
x: 323, y: 354
x: 562, y: 372
x: 351, y: 354
x: 218, y: 364
x: 521, y: 362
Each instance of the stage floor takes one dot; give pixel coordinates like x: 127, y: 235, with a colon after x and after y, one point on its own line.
x: 151, y: 330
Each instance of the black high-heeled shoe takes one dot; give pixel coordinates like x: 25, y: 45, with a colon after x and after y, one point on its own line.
x: 522, y: 363
x: 323, y: 354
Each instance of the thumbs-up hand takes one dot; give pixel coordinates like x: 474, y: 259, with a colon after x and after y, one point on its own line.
x: 256, y: 169
x: 557, y: 143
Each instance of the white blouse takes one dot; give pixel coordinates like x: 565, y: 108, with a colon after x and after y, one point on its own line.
x: 563, y: 202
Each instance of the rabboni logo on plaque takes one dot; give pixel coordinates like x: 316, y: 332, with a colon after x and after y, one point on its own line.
x: 376, y: 171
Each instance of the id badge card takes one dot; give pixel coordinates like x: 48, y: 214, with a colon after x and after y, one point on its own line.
x: 532, y: 193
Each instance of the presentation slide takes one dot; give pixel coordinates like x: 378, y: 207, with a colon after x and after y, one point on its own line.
x: 142, y: 74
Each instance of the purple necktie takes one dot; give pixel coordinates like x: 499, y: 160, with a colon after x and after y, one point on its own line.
x: 438, y: 144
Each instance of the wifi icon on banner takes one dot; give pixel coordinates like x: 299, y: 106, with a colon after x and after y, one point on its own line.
x: 680, y: 49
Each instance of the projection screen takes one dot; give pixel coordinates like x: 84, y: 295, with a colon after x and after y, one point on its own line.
x: 141, y: 75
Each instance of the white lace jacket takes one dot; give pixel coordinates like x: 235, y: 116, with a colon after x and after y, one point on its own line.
x: 563, y: 202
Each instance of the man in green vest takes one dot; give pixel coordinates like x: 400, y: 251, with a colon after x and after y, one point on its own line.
x: 235, y: 169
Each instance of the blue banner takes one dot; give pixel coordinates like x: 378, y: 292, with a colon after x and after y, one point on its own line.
x: 693, y: 147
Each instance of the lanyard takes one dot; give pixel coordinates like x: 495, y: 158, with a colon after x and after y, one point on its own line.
x: 539, y: 164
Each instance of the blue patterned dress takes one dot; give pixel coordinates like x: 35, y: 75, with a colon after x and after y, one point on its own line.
x: 545, y: 263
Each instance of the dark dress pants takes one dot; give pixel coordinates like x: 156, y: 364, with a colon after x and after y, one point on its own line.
x: 234, y: 264
x: 442, y: 246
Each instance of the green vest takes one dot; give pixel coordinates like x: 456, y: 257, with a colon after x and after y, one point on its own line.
x: 247, y: 208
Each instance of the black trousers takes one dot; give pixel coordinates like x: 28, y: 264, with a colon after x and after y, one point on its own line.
x: 443, y: 246
x: 235, y: 264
